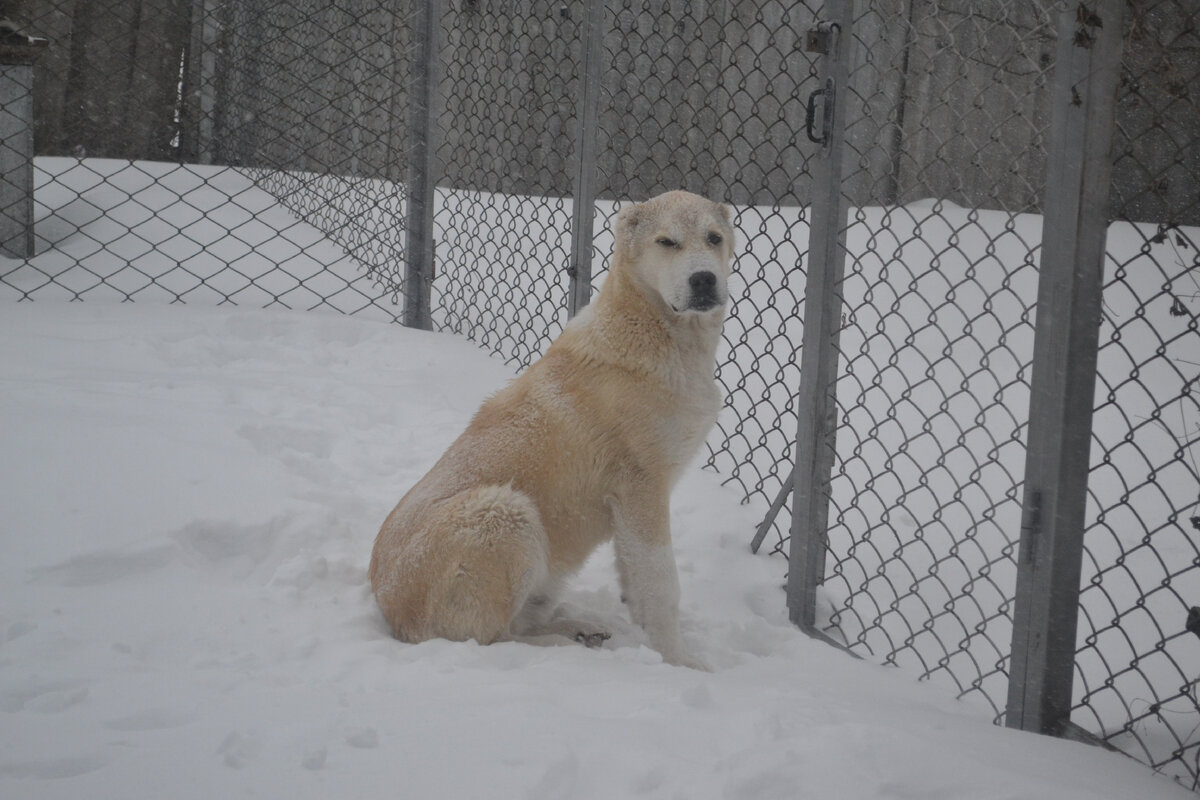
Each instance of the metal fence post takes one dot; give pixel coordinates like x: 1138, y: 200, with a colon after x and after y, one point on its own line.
x: 816, y: 401
x: 583, y: 211
x: 17, y: 54
x: 1063, y: 379
x: 422, y: 180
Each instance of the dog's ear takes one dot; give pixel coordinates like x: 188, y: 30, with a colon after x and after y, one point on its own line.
x: 628, y: 219
x: 726, y: 215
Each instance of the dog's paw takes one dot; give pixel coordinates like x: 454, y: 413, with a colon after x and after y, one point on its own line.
x: 594, y: 639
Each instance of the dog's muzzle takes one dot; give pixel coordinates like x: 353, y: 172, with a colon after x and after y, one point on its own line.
x: 702, y: 294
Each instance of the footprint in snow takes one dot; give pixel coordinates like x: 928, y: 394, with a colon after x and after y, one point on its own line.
x: 363, y: 738
x: 150, y: 719
x: 44, y: 698
x: 278, y: 440
x: 314, y: 759
x: 238, y: 749
x: 53, y: 768
x: 227, y: 545
x: 104, y: 566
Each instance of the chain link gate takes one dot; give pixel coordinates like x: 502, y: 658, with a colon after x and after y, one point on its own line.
x: 913, y: 491
x: 887, y: 163
x: 918, y: 475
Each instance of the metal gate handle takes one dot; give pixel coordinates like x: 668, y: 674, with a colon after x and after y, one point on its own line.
x: 810, y: 115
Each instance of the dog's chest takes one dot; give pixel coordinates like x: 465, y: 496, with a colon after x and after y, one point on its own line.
x: 696, y: 405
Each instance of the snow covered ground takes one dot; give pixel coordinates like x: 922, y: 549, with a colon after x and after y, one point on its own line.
x: 208, y: 623
x: 190, y: 496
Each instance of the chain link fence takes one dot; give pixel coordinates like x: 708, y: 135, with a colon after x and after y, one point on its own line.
x: 200, y: 152
x: 1138, y: 665
x: 507, y: 130
x: 936, y: 335
x: 887, y: 157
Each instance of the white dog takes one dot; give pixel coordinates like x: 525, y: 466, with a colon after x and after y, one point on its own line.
x: 584, y: 446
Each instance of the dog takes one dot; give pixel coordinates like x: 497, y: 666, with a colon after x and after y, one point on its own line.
x: 584, y: 446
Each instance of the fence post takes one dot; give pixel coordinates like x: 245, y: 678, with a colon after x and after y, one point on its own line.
x: 1063, y: 380
x: 583, y: 211
x: 422, y: 180
x: 816, y: 404
x: 17, y: 54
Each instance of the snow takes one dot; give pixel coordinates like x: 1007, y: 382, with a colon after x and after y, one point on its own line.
x: 190, y: 496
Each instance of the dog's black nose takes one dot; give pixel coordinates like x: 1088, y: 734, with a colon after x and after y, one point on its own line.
x: 702, y: 282
x: 704, y: 290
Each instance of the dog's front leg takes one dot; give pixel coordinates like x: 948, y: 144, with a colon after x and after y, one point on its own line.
x: 646, y: 566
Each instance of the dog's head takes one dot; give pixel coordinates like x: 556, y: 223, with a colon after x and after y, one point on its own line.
x: 679, y: 246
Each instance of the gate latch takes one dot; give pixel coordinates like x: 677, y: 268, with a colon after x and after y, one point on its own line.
x: 817, y: 40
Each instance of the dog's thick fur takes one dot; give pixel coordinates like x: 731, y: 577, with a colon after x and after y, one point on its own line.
x: 584, y: 446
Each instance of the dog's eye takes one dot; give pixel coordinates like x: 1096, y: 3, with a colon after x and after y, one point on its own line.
x: 715, y: 238
x: 665, y: 242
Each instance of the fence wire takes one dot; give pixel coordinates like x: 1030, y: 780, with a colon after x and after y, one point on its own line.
x: 1138, y: 665
x: 167, y: 139
x: 507, y: 131
x: 260, y: 153
x: 310, y: 111
x: 936, y: 341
